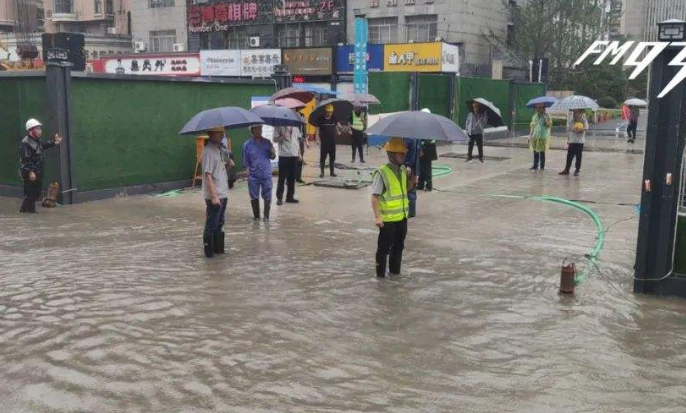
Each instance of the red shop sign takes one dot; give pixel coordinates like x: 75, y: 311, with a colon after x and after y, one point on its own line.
x: 214, y: 17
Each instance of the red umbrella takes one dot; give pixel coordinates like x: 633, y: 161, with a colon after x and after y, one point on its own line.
x: 290, y: 103
x: 291, y: 92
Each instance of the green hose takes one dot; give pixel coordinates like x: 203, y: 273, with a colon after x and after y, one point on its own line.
x: 440, y: 170
x: 600, y: 238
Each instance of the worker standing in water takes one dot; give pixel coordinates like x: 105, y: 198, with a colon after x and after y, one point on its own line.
x: 31, y: 163
x: 358, y: 124
x: 329, y: 128
x: 215, y: 189
x: 257, y: 155
x: 391, y: 208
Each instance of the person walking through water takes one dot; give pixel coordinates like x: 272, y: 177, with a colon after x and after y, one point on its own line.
x: 390, y: 205
x: 476, y: 122
x: 328, y: 129
x: 288, y: 138
x: 257, y: 155
x: 358, y: 124
x: 577, y: 126
x: 32, y: 164
x: 539, y: 137
x: 634, y: 113
x: 215, y: 190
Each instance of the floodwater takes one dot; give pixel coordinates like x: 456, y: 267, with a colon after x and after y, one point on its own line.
x: 110, y: 306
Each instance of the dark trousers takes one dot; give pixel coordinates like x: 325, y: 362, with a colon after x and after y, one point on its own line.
x: 327, y: 149
x: 299, y: 164
x: 425, y: 174
x: 287, y: 169
x: 574, y: 150
x: 539, y: 157
x: 391, y: 242
x: 32, y: 191
x: 631, y: 129
x: 479, y: 140
x: 215, y: 217
x: 358, y: 143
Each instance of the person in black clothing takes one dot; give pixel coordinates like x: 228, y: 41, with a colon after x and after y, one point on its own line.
x: 329, y: 128
x: 31, y: 163
x: 427, y: 154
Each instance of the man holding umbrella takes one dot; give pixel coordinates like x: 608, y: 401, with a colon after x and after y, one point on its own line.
x: 215, y: 190
x: 391, y: 207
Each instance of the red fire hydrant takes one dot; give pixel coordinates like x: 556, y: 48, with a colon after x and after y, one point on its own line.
x: 567, y: 278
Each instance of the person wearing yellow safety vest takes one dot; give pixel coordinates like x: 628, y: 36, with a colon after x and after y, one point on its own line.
x: 391, y: 207
x: 358, y: 124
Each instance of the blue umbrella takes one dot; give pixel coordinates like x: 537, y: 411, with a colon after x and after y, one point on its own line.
x: 277, y: 115
x: 418, y: 125
x: 548, y: 101
x: 230, y: 117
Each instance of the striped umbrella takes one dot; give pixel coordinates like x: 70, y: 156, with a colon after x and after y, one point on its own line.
x: 575, y: 102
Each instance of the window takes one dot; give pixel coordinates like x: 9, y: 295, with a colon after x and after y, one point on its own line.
x: 289, y: 36
x: 422, y: 28
x: 383, y: 30
x: 98, y: 6
x: 316, y: 35
x: 109, y: 6
x: 236, y: 38
x: 154, y: 4
x: 63, y: 6
x: 162, y: 40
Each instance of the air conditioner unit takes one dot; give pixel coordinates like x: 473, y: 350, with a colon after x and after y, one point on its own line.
x: 139, y: 46
x: 255, y: 41
x: 439, y: 39
x: 112, y: 30
x: 178, y: 47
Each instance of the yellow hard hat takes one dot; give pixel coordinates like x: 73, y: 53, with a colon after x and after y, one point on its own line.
x: 395, y: 145
x: 216, y: 129
x: 328, y: 108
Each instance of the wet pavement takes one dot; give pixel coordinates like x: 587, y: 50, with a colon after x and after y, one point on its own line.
x: 110, y: 306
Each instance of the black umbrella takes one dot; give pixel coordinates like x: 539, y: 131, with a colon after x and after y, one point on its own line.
x: 341, y: 110
x: 492, y: 111
x: 418, y: 125
x: 230, y: 117
x: 277, y: 115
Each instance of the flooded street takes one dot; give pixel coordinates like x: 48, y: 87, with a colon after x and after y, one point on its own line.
x: 110, y: 306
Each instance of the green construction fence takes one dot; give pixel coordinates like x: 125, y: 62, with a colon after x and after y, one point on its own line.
x: 21, y: 98
x: 434, y: 93
x: 392, y: 89
x: 125, y: 132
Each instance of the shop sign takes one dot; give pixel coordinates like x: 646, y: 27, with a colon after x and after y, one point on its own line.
x: 314, y: 61
x: 220, y: 17
x: 259, y: 62
x: 158, y: 64
x: 450, y: 58
x: 345, y: 58
x: 413, y: 57
x: 220, y: 63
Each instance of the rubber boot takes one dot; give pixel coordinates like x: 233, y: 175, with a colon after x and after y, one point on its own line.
x: 24, y: 206
x: 219, y: 242
x: 32, y: 207
x: 208, y: 244
x: 267, y: 207
x: 255, y: 208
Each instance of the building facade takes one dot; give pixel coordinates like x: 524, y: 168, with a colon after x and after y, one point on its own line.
x: 90, y: 17
x: 231, y: 24
x: 473, y: 24
x: 639, y: 18
x: 21, y: 16
x: 159, y: 26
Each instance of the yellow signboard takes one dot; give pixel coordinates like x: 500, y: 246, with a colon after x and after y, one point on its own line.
x: 413, y: 57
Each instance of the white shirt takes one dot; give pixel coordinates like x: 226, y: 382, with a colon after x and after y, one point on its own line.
x: 288, y: 138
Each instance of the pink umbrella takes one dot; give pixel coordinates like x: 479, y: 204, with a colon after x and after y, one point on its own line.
x: 290, y: 103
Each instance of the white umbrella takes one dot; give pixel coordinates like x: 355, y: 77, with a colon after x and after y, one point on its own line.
x: 636, y: 102
x: 575, y: 102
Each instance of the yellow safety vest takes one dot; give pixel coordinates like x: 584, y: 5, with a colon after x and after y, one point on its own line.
x: 393, y: 203
x: 358, y: 121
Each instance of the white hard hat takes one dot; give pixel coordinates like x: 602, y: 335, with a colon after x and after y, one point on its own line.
x: 426, y: 110
x: 32, y: 123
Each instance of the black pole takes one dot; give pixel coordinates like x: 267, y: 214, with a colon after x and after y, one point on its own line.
x: 58, y: 82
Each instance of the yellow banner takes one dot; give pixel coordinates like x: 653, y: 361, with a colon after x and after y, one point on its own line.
x: 412, y: 57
